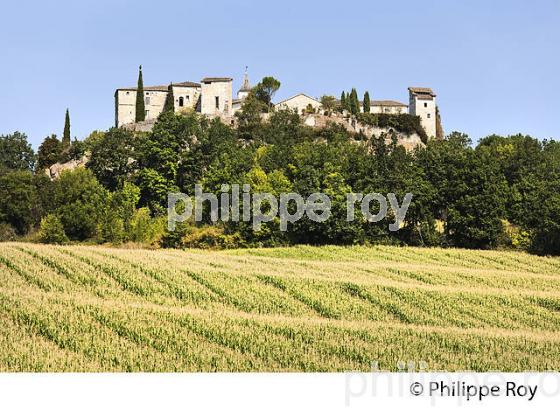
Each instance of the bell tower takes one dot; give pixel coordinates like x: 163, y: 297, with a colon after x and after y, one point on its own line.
x: 245, y: 88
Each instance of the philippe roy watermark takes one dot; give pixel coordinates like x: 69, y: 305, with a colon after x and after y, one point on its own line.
x: 415, y: 380
x: 236, y: 203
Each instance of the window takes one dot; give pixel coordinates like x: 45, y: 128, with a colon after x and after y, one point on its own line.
x: 425, y: 105
x: 429, y: 115
x: 147, y: 100
x: 181, y: 101
x: 217, y: 103
x: 188, y: 97
x: 147, y: 113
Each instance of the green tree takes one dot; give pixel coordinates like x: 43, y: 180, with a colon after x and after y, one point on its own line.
x: 154, y: 188
x: 172, y: 135
x: 538, y: 197
x: 265, y: 90
x: 366, y: 102
x: 66, y: 134
x: 471, y: 191
x: 140, y: 107
x: 354, y: 102
x: 343, y: 102
x: 52, y: 231
x: 329, y: 103
x: 16, y: 153
x: 216, y: 146
x: 123, y: 204
x: 249, y: 120
x: 144, y: 228
x: 49, y: 152
x: 440, y: 134
x: 169, y: 104
x: 80, y: 202
x: 112, y: 159
x: 93, y: 139
x: 20, y: 202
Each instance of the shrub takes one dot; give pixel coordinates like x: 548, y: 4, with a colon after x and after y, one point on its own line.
x: 111, y: 229
x: 209, y: 237
x: 144, y: 228
x: 513, y: 237
x: 52, y: 231
x: 173, y: 239
x: 7, y: 233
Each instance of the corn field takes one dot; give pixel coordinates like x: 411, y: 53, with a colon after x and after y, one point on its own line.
x: 87, y: 308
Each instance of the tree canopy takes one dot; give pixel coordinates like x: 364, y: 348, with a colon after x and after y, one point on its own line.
x: 502, y: 192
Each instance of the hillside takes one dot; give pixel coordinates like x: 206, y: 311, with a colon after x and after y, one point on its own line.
x: 79, y: 308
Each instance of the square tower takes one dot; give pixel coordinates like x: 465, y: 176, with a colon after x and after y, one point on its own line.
x: 216, y: 96
x: 422, y: 102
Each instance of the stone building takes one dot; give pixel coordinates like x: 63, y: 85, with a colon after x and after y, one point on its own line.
x: 216, y: 96
x: 299, y: 102
x: 212, y: 96
x: 187, y: 95
x: 422, y: 102
x: 386, y: 107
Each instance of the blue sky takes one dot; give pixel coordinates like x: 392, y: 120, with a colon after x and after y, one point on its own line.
x: 494, y: 64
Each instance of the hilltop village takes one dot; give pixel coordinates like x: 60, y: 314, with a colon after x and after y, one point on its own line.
x: 213, y: 97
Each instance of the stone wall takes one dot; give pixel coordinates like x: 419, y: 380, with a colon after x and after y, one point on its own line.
x: 409, y: 142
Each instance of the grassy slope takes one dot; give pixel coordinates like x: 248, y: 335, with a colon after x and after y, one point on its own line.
x: 307, y: 309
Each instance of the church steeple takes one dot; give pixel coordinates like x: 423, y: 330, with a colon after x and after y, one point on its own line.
x: 245, y: 88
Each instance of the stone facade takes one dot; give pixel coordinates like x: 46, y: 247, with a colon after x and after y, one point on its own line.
x: 125, y: 104
x: 422, y: 102
x: 212, y: 97
x: 386, y: 107
x: 300, y: 103
x: 187, y: 96
x: 216, y: 96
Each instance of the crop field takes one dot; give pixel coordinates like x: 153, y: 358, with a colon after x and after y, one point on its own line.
x: 86, y: 308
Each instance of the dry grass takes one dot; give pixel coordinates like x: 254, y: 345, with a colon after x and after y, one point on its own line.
x: 82, y: 308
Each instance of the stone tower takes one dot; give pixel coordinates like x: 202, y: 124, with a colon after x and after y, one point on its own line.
x: 245, y: 88
x: 216, y: 96
x: 422, y: 102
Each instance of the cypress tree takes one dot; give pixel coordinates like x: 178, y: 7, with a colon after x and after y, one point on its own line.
x: 354, y: 104
x: 169, y: 100
x: 343, y: 101
x: 66, y: 134
x: 439, y: 128
x: 140, y: 108
x: 367, y: 102
x: 348, y: 101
